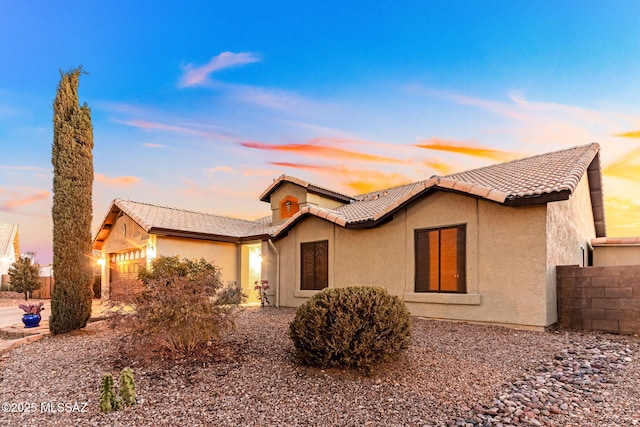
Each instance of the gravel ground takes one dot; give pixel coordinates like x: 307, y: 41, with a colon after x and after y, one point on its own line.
x: 454, y: 374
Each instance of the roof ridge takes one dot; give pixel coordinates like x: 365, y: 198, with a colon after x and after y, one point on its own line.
x: 187, y: 210
x: 522, y: 159
x: 360, y: 196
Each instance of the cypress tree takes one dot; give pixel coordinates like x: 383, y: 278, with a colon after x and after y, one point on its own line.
x: 72, y: 211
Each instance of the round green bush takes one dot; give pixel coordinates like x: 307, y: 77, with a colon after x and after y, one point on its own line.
x: 357, y: 326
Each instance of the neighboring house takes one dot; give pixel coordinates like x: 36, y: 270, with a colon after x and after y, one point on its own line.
x: 9, y: 249
x: 609, y: 251
x: 480, y: 245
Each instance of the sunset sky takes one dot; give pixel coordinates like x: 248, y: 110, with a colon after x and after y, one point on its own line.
x: 200, y: 105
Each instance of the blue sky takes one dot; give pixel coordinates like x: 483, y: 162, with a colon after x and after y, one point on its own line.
x: 199, y: 105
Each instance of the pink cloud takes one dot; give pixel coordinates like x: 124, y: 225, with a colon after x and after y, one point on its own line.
x: 314, y: 150
x: 151, y: 126
x: 194, y: 76
x: 14, y: 203
x: 152, y: 145
x: 119, y: 181
x: 465, y: 148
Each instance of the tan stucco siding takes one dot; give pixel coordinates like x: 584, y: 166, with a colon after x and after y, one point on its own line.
x: 512, y: 264
x: 224, y: 255
x: 616, y: 255
x: 570, y: 228
x: 125, y: 235
x: 505, y: 259
x: 302, y: 195
x: 372, y: 256
x: 310, y: 229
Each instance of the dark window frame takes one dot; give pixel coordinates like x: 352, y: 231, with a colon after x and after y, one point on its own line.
x: 314, y: 256
x: 423, y: 269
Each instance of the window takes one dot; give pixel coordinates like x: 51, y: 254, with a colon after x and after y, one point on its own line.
x: 440, y: 259
x: 314, y: 265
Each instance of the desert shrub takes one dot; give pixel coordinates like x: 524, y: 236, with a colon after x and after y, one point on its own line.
x: 358, y: 326
x: 183, y: 305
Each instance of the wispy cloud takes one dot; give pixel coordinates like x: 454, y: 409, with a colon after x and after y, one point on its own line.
x: 219, y: 169
x: 118, y: 181
x: 25, y: 168
x: 439, y: 166
x: 164, y: 127
x: 632, y: 134
x: 196, y: 76
x: 15, y: 202
x: 323, y: 151
x: 623, y: 216
x: 360, y: 180
x: 627, y: 167
x: 465, y: 148
x: 152, y: 145
x: 495, y: 107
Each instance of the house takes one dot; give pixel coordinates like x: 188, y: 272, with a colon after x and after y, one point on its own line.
x: 9, y: 250
x: 608, y: 251
x: 480, y: 245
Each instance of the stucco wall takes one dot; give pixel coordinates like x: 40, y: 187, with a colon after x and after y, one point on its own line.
x: 303, y: 196
x: 125, y: 234
x: 222, y: 254
x: 505, y: 252
x: 372, y: 256
x: 616, y: 255
x: 570, y: 229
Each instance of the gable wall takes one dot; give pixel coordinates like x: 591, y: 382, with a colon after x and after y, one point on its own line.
x: 570, y: 229
x: 118, y: 240
x: 506, y: 259
x: 221, y: 254
x: 304, y: 198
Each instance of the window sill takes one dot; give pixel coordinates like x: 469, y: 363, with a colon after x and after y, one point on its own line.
x: 441, y: 298
x: 304, y: 294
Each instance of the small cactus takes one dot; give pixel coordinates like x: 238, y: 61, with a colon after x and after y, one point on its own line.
x: 127, y: 387
x: 108, y: 400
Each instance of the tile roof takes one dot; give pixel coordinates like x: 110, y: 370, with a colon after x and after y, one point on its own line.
x: 172, y: 221
x: 7, y: 236
x: 533, y: 176
x: 534, y: 180
x: 312, y: 188
x: 616, y: 241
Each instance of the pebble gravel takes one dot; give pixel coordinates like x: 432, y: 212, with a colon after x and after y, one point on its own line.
x: 454, y: 374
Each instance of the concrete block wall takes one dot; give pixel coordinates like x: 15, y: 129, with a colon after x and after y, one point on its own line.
x: 599, y: 298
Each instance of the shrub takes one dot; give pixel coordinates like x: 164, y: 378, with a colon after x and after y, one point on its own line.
x: 358, y: 326
x: 24, y: 275
x: 183, y: 305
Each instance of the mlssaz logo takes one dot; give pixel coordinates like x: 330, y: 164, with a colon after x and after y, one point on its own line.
x: 53, y: 407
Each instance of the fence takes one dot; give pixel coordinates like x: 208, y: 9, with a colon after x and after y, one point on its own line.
x: 46, y: 287
x: 599, y: 298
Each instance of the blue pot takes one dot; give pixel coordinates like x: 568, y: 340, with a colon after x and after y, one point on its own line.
x: 31, y: 320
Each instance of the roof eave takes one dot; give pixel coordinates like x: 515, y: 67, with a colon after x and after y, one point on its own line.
x: 537, y: 199
x: 594, y: 177
x: 194, y: 235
